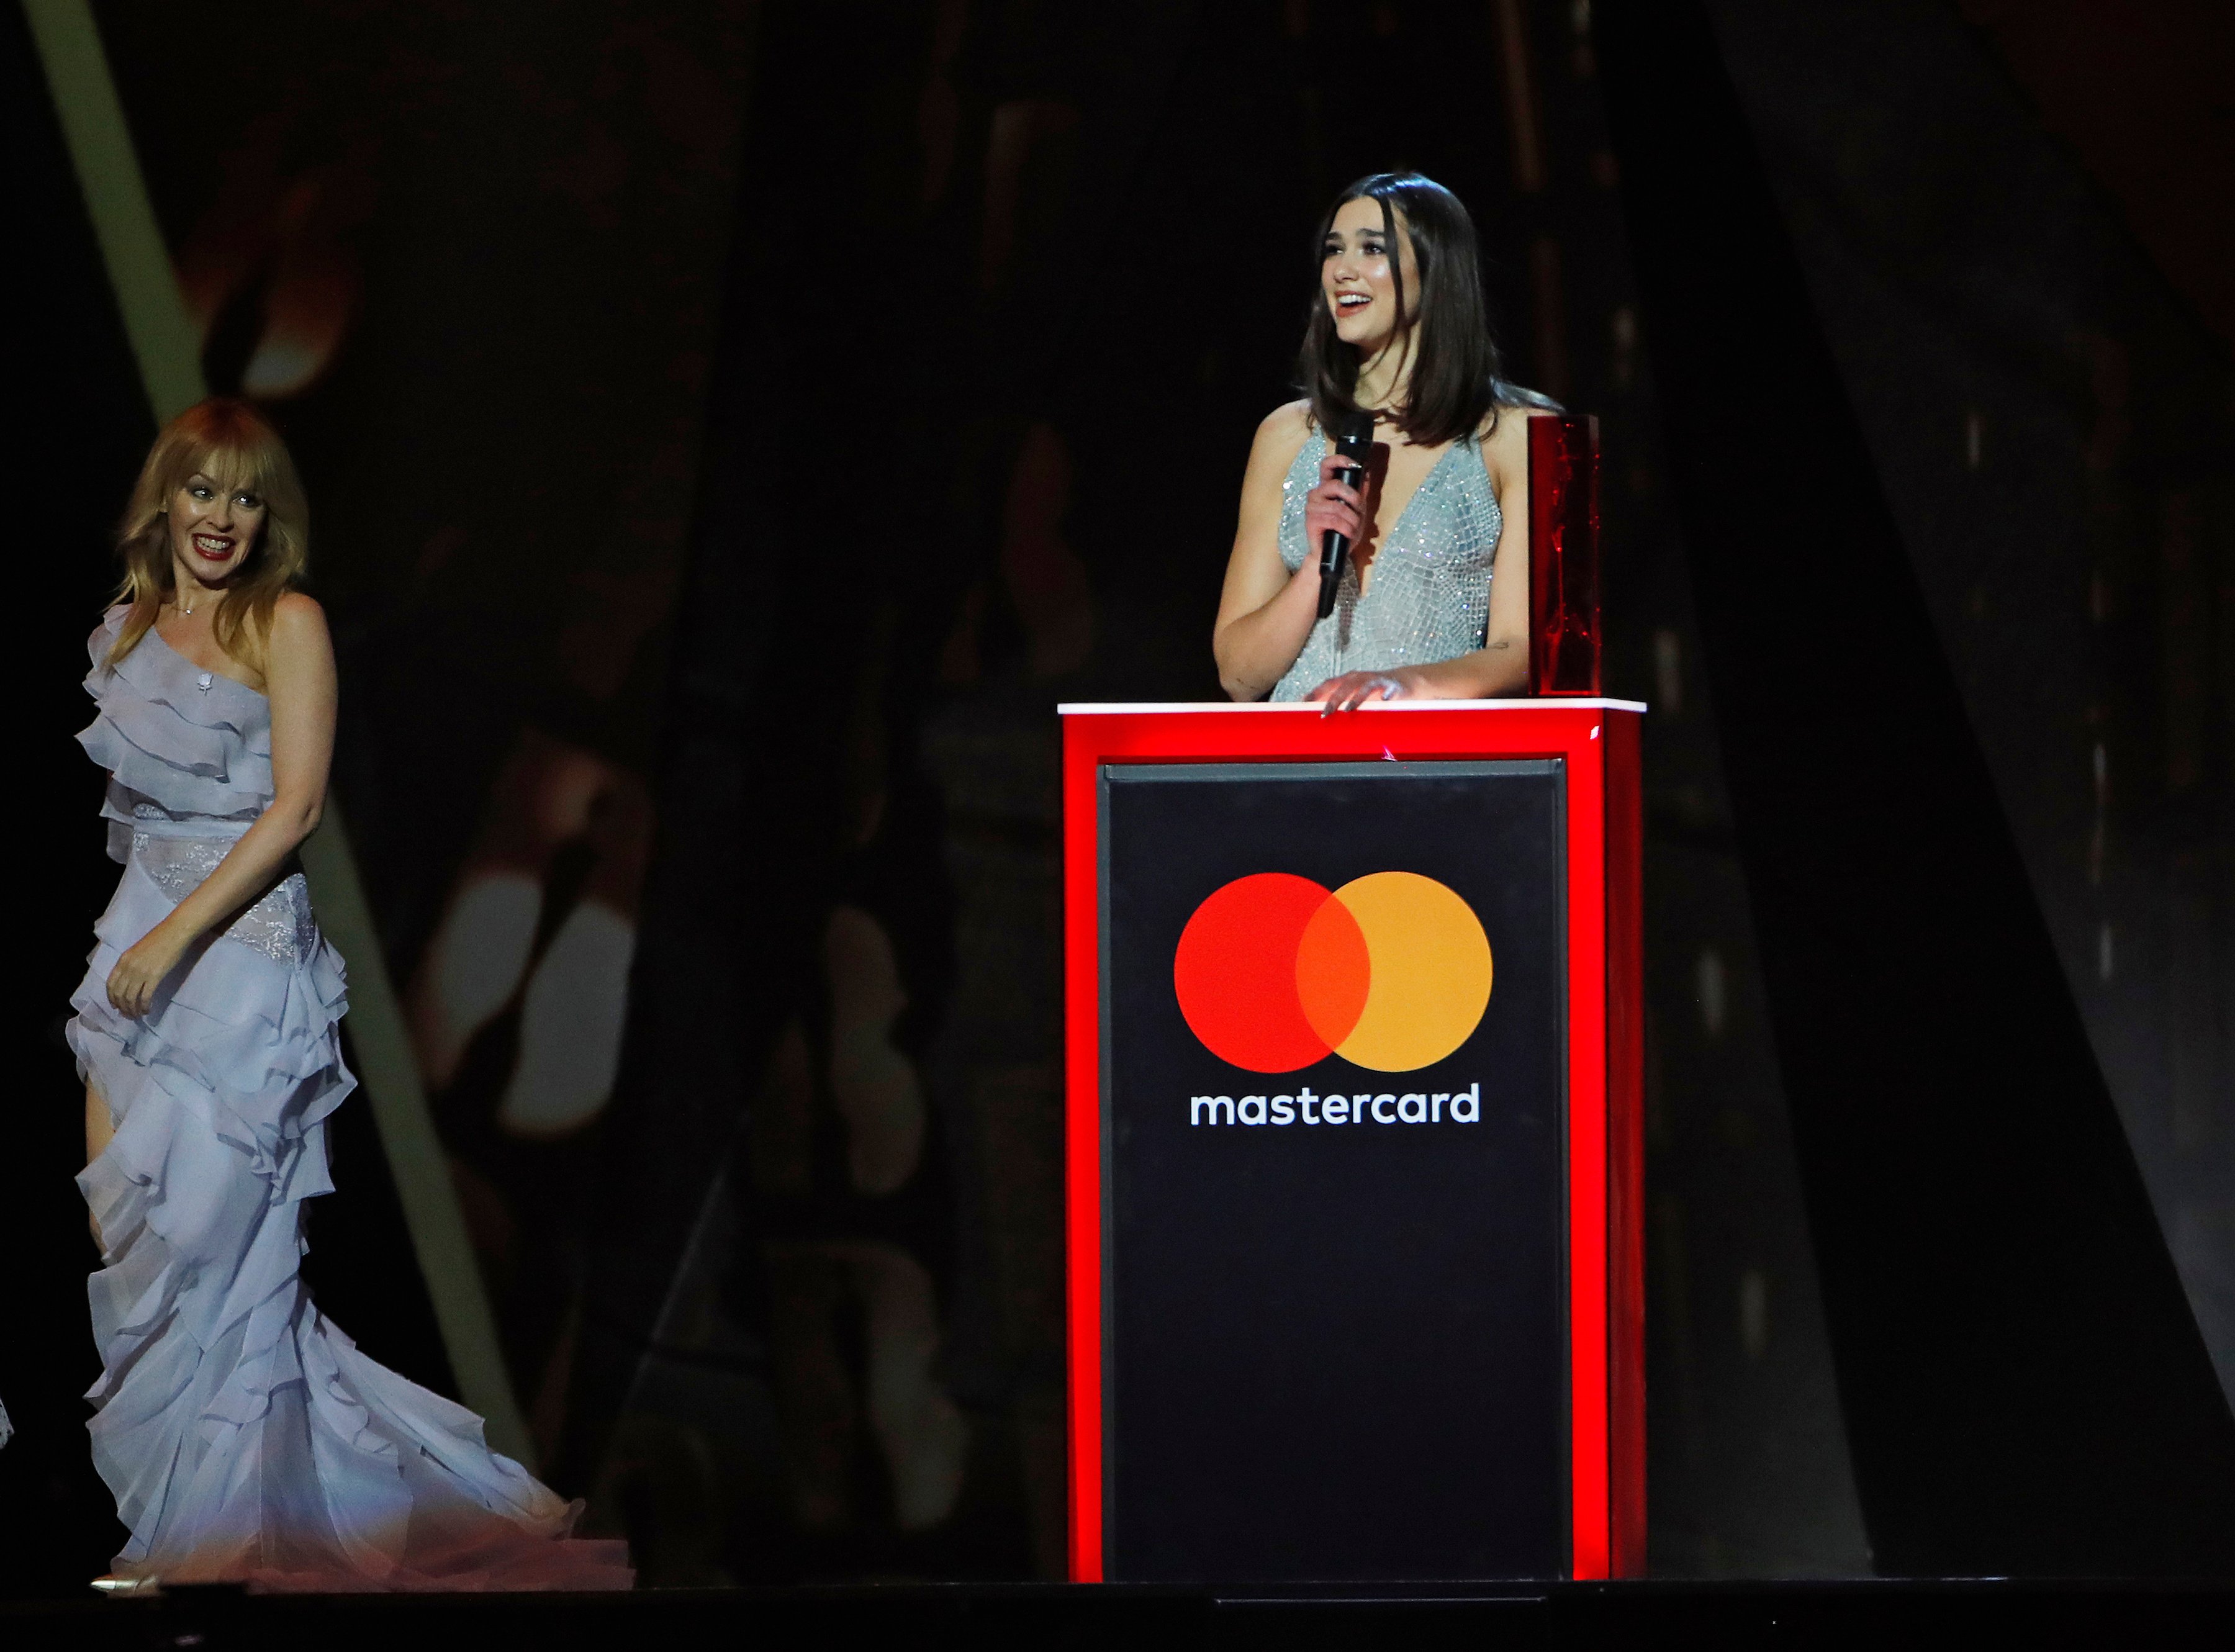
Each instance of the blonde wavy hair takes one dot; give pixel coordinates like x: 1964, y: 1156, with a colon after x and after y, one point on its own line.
x: 236, y: 448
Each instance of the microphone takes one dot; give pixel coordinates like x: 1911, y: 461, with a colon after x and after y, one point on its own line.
x: 1353, y: 440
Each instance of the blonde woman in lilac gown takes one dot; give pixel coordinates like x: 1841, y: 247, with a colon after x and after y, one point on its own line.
x: 245, y: 1437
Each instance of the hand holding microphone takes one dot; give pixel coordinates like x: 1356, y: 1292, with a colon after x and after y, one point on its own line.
x: 1337, y: 505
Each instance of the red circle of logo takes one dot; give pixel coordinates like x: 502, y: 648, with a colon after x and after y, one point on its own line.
x: 1271, y: 973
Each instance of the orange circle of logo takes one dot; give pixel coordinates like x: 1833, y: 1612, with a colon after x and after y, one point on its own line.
x: 1391, y: 972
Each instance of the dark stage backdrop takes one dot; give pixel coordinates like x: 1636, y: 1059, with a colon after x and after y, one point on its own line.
x: 732, y: 427
x: 470, y: 258
x: 2038, y: 352
x: 984, y: 461
x: 470, y: 264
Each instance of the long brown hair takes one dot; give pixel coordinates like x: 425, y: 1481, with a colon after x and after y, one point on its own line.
x: 1457, y: 384
x: 235, y: 447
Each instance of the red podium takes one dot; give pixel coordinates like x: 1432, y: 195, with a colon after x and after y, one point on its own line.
x: 1354, y: 1158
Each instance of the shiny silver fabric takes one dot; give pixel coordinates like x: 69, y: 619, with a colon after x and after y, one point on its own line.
x: 277, y: 924
x: 1429, y: 598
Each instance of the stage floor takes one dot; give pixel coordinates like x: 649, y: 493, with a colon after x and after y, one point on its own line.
x: 1881, y: 1614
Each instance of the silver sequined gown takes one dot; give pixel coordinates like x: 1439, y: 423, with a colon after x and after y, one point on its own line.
x: 1429, y: 595
x: 245, y: 1437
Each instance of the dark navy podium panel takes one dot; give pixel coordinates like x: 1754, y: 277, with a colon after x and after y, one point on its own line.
x: 1352, y: 1154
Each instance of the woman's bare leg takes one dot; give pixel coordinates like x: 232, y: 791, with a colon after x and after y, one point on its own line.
x: 100, y: 1128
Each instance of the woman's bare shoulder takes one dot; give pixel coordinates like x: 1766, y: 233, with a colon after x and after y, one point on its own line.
x: 1287, y: 424
x: 1280, y: 435
x: 298, y: 627
x: 298, y: 613
x: 1507, y: 424
x: 1503, y: 438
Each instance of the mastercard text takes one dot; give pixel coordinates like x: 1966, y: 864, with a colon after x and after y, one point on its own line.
x: 1414, y: 1107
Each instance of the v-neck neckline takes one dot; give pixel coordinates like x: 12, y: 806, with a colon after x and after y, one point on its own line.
x: 1410, y: 499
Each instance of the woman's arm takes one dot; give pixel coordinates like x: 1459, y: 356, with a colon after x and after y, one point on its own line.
x: 299, y: 682
x: 1500, y: 667
x: 1265, y: 613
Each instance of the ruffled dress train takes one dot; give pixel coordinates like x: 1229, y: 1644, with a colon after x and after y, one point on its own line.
x: 244, y: 1435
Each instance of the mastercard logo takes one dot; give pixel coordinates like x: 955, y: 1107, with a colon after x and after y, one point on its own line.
x: 1390, y: 971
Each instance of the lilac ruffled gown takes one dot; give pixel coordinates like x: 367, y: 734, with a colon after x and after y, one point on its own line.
x: 245, y: 1437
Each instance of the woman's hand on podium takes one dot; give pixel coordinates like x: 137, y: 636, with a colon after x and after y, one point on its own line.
x: 1354, y: 689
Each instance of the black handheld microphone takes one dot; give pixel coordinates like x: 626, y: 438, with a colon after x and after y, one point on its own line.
x: 1353, y: 440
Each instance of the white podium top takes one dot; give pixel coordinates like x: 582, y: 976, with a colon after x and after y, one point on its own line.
x: 1548, y: 702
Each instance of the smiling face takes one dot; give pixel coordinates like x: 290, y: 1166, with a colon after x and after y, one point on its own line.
x: 1356, y: 279
x: 214, y: 527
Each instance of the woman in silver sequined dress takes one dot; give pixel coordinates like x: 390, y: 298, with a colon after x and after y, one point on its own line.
x: 1433, y: 602
x: 245, y: 1437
